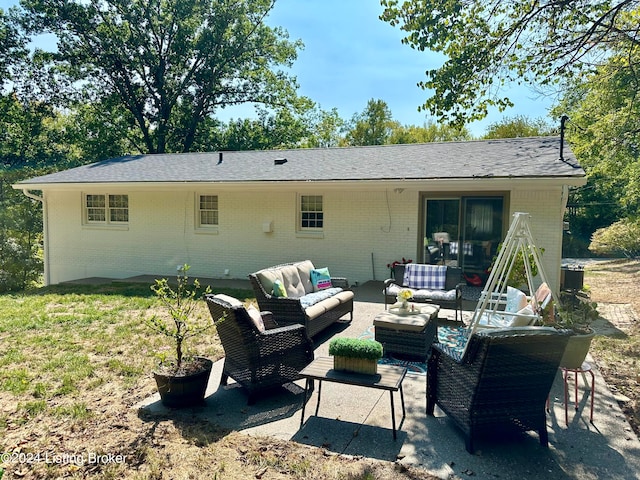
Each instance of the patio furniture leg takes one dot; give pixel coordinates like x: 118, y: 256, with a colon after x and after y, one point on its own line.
x: 393, y: 415
x: 308, y: 387
x: 584, y: 368
x: 565, y: 373
x: 393, y: 411
x: 319, y: 392
x: 544, y: 435
x: 575, y: 390
x: 593, y: 393
x: 468, y: 444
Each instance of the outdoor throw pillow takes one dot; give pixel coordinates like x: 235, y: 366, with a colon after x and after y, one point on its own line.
x: 278, y: 289
x: 320, y: 279
x: 542, y: 296
x: 523, y: 317
x: 516, y: 300
x: 430, y: 277
x: 256, y: 318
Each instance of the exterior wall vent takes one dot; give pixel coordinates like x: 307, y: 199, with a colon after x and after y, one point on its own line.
x: 280, y: 161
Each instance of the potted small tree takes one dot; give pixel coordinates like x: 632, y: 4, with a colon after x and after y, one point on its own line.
x: 181, y: 380
x: 355, y: 355
x: 575, y: 312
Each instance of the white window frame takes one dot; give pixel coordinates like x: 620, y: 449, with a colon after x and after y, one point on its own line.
x: 206, y: 227
x: 307, y: 215
x: 108, y: 206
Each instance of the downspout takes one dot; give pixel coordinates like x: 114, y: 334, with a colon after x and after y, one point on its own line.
x: 45, y: 231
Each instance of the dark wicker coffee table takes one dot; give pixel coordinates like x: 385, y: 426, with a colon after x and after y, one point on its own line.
x: 408, y: 335
x: 388, y: 378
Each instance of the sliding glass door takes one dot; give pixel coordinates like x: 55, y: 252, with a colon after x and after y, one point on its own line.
x: 463, y: 231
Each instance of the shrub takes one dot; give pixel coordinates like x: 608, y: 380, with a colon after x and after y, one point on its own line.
x: 622, y: 236
x: 20, y: 234
x: 355, y: 348
x: 20, y: 261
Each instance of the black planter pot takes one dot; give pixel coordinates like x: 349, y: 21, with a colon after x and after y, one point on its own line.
x: 184, y: 391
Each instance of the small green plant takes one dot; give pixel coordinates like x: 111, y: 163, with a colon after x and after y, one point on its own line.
x: 180, y: 303
x: 75, y: 411
x: 575, y: 312
x: 33, y: 408
x: 355, y: 348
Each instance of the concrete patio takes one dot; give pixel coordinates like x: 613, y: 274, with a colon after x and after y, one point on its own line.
x: 356, y: 421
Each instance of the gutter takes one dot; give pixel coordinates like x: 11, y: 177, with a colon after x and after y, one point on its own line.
x: 45, y: 230
x: 576, y: 180
x: 32, y: 195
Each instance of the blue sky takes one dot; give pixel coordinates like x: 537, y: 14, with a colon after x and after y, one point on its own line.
x: 351, y: 56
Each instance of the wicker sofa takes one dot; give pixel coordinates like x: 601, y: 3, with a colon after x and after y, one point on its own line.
x: 449, y: 296
x: 500, y: 383
x: 316, y: 310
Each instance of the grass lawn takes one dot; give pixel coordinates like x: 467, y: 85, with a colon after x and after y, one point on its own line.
x: 618, y: 357
x: 75, y: 359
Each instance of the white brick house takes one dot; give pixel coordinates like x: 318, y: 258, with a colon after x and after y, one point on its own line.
x: 353, y: 210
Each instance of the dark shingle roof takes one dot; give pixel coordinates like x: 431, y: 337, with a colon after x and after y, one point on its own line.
x: 517, y: 157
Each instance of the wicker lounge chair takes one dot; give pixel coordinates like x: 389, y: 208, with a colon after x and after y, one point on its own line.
x: 258, y: 360
x: 501, y: 382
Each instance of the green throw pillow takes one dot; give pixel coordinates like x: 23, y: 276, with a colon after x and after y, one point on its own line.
x: 278, y: 289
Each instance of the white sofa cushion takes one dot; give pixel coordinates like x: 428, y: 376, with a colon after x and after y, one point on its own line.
x: 420, y: 295
x: 304, y: 270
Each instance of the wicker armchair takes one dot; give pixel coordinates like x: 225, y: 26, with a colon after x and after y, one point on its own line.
x: 257, y: 360
x: 501, y: 382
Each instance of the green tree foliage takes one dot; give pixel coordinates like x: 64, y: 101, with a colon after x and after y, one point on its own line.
x: 371, y: 127
x: 489, y: 44
x: 620, y: 237
x: 518, y: 127
x: 603, y: 130
x: 304, y: 125
x: 99, y: 130
x: 429, y: 132
x: 12, y: 47
x: 283, y: 129
x: 325, y: 128
x: 30, y: 134
x: 20, y: 232
x: 171, y: 63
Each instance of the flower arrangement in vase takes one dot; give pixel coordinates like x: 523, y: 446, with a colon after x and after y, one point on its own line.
x: 403, y: 298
